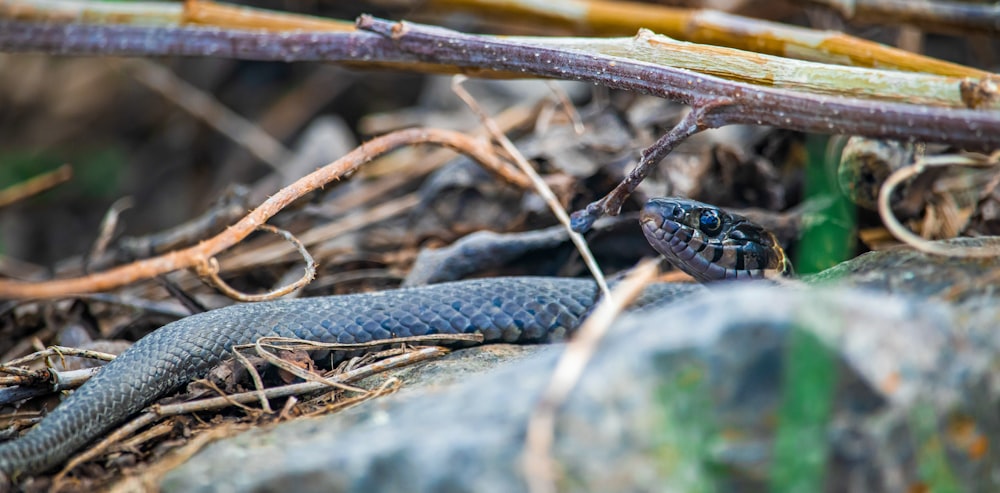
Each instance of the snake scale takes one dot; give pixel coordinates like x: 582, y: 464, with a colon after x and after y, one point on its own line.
x: 704, y: 241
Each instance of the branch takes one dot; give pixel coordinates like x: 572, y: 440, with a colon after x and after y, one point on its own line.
x: 712, y: 27
x: 583, y: 17
x: 748, y: 104
x: 430, y: 48
x: 961, y: 18
x: 200, y: 254
x: 784, y: 73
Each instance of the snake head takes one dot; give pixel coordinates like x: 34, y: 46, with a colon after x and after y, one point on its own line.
x: 711, y: 244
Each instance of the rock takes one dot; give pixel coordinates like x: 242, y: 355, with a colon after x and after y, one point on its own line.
x: 906, y: 271
x: 750, y: 387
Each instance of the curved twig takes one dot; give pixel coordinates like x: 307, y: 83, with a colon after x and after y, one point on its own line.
x: 210, y: 272
x: 477, y: 149
x: 905, y: 235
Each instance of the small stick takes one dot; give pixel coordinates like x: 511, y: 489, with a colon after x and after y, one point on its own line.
x: 231, y: 206
x: 206, y: 108
x: 258, y: 382
x: 287, y: 343
x: 107, y: 230
x: 27, y: 388
x: 320, y: 233
x: 540, y: 186
x: 57, y: 351
x: 297, y: 371
x: 156, y: 431
x: 567, y: 106
x: 36, y: 185
x: 389, y: 386
x: 695, y: 121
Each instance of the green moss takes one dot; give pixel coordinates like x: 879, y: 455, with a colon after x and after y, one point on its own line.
x: 686, y: 429
x: 932, y: 463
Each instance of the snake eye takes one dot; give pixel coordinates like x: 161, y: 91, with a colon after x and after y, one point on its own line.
x: 710, y: 222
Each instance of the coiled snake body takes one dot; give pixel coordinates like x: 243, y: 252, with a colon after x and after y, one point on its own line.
x: 704, y: 241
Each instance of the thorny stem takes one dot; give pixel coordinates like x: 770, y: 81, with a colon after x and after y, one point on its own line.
x: 198, y: 254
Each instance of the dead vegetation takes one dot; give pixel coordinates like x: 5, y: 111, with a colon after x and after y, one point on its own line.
x: 349, y: 164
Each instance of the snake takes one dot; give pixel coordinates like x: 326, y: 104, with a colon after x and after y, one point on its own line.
x: 711, y: 244
x: 705, y: 241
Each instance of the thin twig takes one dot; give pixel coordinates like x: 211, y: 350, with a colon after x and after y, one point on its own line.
x: 211, y: 273
x: 107, y: 230
x: 23, y: 373
x: 286, y: 410
x: 539, y: 184
x: 158, y: 412
x: 537, y: 462
x: 692, y: 123
x: 566, y: 104
x: 308, y: 376
x: 206, y: 108
x: 391, y: 385
x: 961, y: 18
x: 36, y: 185
x: 231, y: 206
x: 23, y: 388
x: 288, y: 344
x: 58, y: 351
x: 321, y: 233
x: 152, y: 433
x: 258, y: 382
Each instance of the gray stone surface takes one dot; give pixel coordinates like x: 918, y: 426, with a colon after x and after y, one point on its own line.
x: 749, y: 387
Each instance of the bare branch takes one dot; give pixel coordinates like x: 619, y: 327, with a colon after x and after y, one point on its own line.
x: 429, y: 48
x: 200, y: 254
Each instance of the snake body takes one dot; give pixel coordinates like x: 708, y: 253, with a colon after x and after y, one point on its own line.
x: 528, y: 310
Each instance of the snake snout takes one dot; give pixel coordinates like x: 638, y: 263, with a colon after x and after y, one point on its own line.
x: 662, y: 214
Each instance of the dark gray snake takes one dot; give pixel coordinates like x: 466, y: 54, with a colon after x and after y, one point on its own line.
x: 527, y: 310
